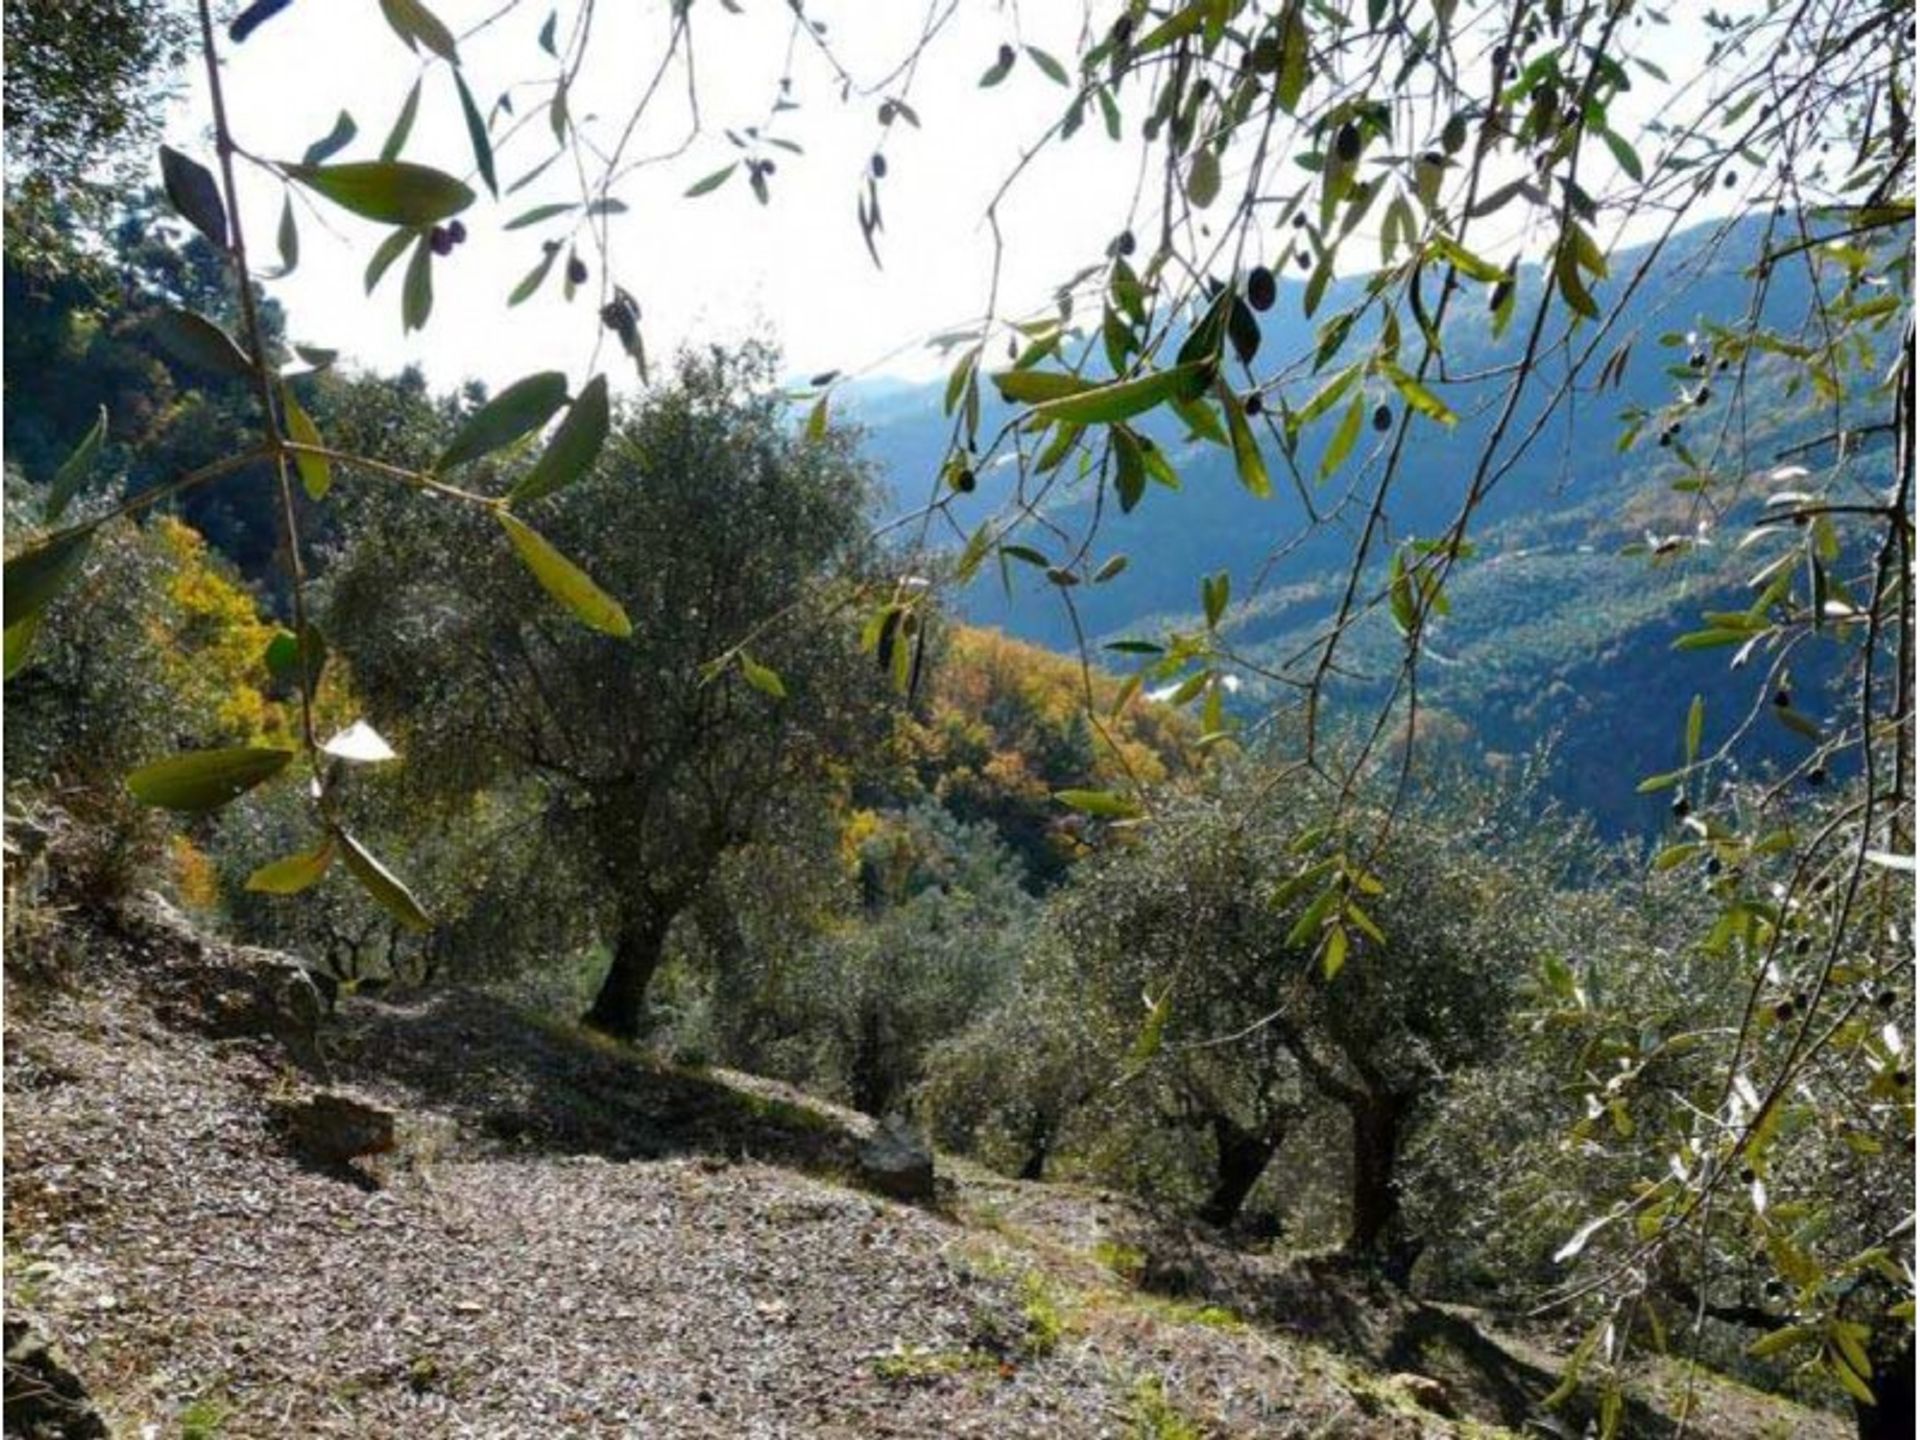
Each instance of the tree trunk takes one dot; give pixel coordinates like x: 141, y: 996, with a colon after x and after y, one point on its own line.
x: 1240, y: 1159
x: 636, y: 955
x: 869, y: 1078
x: 1891, y: 1416
x: 1039, y: 1148
x: 1376, y: 1146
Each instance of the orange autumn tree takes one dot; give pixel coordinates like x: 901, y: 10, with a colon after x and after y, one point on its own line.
x: 1005, y: 726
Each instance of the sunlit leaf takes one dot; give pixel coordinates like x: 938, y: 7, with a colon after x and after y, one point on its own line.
x: 565, y: 581
x: 393, y: 192
x: 761, y: 677
x: 19, y: 638
x: 316, y: 474
x: 360, y: 743
x: 293, y: 874
x: 202, y: 780
x: 383, y: 885
x: 1125, y: 399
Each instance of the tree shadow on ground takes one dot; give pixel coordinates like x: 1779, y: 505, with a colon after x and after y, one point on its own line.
x: 1337, y: 1300
x: 521, y: 1084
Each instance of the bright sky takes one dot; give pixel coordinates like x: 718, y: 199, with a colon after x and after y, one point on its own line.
x: 720, y: 266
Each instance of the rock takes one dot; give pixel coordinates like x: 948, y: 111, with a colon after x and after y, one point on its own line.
x: 1426, y: 1392
x: 332, y: 1127
x: 233, y: 991
x: 897, y: 1162
x: 44, y: 1399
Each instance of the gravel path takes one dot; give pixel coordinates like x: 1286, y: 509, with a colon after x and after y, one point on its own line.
x: 572, y: 1240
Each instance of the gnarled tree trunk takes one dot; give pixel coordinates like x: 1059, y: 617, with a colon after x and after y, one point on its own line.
x: 1890, y: 1417
x: 617, y: 1008
x: 1039, y: 1149
x: 1240, y: 1159
x: 1376, y: 1146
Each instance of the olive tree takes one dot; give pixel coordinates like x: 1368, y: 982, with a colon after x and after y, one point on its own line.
x: 1207, y: 920
x: 705, y: 516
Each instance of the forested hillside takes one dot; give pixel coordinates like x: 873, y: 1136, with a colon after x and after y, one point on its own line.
x: 1560, y: 633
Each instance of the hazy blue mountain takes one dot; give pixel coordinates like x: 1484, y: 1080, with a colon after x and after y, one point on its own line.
x: 1554, y: 634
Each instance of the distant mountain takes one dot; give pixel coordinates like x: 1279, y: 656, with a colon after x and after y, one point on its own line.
x: 1553, y: 633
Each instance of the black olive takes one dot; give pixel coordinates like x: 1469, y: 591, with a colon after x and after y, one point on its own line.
x: 1903, y: 1078
x: 1346, y: 144
x: 1383, y: 417
x: 1803, y: 945
x: 1714, y: 866
x: 1682, y: 807
x: 1666, y: 439
x: 1698, y: 360
x: 879, y: 166
x: 576, y: 270
x: 1817, y: 776
x: 887, y: 112
x: 1253, y: 404
x: 1747, y: 1177
x: 1006, y: 56
x: 458, y: 231
x: 1299, y: 218
x: 1886, y: 999
x: 963, y: 481
x: 1783, y: 1011
x: 1728, y: 179
x: 439, y: 241
x: 1126, y: 244
x: 1702, y: 395
x: 1783, y: 697
x: 1261, y: 289
x: 1306, y: 260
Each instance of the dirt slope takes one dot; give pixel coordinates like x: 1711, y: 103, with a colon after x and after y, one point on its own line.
x: 573, y: 1240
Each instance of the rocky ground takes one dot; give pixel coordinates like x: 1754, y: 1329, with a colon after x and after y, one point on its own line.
x: 568, y: 1238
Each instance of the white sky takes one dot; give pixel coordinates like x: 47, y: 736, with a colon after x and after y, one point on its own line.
x: 719, y: 266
